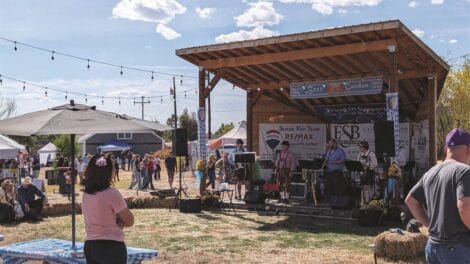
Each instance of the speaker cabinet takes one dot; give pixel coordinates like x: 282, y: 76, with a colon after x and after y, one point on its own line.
x: 384, y: 139
x: 180, y: 142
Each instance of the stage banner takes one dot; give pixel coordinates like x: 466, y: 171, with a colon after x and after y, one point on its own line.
x: 391, y: 100
x: 405, y: 139
x: 307, y: 141
x: 352, y: 113
x: 201, y: 134
x: 335, y: 88
x: 420, y: 143
x: 348, y: 137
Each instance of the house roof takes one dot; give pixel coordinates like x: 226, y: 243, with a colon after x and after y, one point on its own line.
x: 350, y: 52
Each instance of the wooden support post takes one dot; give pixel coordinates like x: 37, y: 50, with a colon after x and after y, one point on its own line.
x: 249, y: 119
x: 432, y: 97
x: 202, y: 87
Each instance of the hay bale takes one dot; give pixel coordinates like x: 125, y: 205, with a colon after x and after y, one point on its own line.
x: 396, y: 247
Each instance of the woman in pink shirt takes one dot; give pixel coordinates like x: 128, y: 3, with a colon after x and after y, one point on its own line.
x: 105, y: 213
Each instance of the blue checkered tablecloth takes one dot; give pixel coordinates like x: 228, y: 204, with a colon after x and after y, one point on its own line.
x: 60, y: 251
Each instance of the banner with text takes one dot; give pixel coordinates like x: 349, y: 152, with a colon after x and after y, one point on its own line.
x: 307, y: 141
x: 348, y: 137
x: 333, y: 88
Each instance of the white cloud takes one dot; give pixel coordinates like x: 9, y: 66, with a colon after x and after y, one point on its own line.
x: 413, y: 4
x: 432, y: 37
x: 261, y: 13
x: 437, y: 2
x: 257, y: 32
x: 326, y: 7
x: 206, y: 12
x: 418, y: 32
x: 342, y: 11
x: 148, y: 47
x: 157, y: 11
x: 167, y: 32
x: 453, y: 41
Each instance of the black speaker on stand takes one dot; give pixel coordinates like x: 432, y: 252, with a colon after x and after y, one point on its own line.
x: 180, y: 149
x: 384, y: 139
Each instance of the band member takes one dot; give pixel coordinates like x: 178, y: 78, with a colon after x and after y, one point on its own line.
x: 286, y: 164
x: 336, y: 183
x: 369, y: 162
x: 239, y: 169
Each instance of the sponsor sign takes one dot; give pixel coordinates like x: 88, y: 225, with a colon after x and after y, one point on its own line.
x: 335, y: 88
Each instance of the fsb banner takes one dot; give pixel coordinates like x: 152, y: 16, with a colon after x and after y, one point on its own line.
x: 348, y: 137
x: 307, y: 141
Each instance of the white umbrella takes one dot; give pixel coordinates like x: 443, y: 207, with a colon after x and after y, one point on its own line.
x: 73, y: 119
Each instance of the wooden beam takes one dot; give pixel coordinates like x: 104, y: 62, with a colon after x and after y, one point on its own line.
x: 287, y: 102
x: 219, y: 75
x: 299, y: 54
x: 432, y: 97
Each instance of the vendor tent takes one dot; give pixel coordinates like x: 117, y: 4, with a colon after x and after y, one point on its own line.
x: 49, y: 150
x: 238, y: 132
x: 9, y: 148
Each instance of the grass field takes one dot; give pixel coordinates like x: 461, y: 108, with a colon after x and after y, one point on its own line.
x: 213, y: 237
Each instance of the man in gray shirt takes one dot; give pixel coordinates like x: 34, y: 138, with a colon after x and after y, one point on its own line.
x: 441, y: 201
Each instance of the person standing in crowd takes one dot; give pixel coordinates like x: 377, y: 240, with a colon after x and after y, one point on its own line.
x: 170, y: 164
x: 225, y: 168
x: 81, y: 170
x: 369, y: 162
x: 105, y: 213
x: 31, y: 206
x: 21, y: 163
x: 239, y: 169
x: 158, y: 167
x: 441, y: 201
x: 149, y: 166
x: 286, y: 163
x: 211, y: 171
x: 36, y: 166
x: 130, y: 161
x: 117, y: 162
x: 136, y: 173
x: 336, y: 183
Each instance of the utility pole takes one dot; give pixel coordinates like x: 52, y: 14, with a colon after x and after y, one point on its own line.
x: 209, y: 133
x: 142, y: 103
x: 174, y: 102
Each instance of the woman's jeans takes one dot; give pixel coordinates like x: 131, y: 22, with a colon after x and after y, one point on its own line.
x: 447, y: 253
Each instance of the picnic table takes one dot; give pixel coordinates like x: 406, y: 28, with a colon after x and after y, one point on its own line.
x: 60, y: 252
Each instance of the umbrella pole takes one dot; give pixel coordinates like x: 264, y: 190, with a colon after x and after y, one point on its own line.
x: 72, y: 142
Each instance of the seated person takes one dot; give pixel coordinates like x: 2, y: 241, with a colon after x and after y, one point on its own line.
x: 7, y: 201
x: 31, y: 206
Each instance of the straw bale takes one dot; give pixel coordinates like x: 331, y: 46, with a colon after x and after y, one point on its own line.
x: 399, y: 247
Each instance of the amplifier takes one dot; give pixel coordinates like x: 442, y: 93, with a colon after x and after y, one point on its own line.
x: 341, y: 202
x: 254, y: 197
x: 190, y: 205
x: 246, y: 157
x: 298, y: 190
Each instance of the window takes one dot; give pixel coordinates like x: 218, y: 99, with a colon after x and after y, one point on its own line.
x: 124, y: 135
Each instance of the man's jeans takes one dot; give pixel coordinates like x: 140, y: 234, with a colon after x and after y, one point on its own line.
x: 444, y: 253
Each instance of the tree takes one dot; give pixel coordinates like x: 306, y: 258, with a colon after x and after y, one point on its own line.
x: 453, y: 108
x: 224, y: 128
x: 62, y: 143
x: 185, y: 120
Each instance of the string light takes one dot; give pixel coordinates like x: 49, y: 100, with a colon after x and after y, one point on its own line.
x: 151, y: 78
x: 45, y: 92
x: 66, y: 95
x: 161, y: 99
x: 88, y: 64
x: 121, y: 71
x: 181, y: 79
x: 184, y: 94
x: 15, y: 48
x: 86, y: 98
x: 1, y: 81
x: 24, y: 86
x: 119, y: 100
x: 52, y: 55
x: 102, y: 100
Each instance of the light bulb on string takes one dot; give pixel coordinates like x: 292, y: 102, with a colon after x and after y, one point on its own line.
x: 181, y: 79
x: 1, y: 81
x: 66, y: 95
x: 52, y: 55
x: 86, y: 98
x: 161, y: 99
x: 15, y: 48
x: 152, y: 78
x: 102, y: 100
x: 119, y: 100
x: 45, y: 92
x: 88, y: 64
x: 184, y: 94
x: 24, y: 86
x: 121, y: 71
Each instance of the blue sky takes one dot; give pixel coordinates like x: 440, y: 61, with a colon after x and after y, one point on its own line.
x: 145, y: 34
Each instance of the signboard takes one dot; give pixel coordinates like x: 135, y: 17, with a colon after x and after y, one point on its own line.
x: 201, y: 134
x: 307, y: 141
x: 352, y: 113
x: 348, y: 137
x: 335, y: 88
x: 405, y: 139
x: 391, y: 100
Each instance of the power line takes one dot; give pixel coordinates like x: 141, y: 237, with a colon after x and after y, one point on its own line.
x: 89, y: 61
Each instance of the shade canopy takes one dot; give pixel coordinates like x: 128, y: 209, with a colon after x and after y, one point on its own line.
x: 48, y: 148
x: 231, y: 137
x: 9, y: 148
x: 47, y: 153
x: 114, y: 147
x: 71, y: 119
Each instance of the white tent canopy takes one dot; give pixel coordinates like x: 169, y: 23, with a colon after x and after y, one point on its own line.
x: 44, y: 152
x: 231, y: 137
x: 9, y: 148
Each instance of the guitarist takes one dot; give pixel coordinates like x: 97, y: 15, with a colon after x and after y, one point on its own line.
x: 335, y: 182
